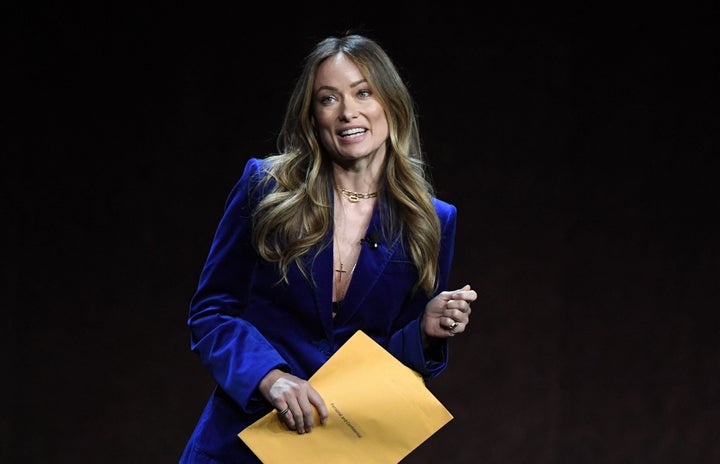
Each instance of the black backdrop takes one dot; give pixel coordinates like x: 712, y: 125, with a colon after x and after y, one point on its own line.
x: 580, y: 146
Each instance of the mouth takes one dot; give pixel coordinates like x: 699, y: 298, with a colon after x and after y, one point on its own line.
x: 354, y: 132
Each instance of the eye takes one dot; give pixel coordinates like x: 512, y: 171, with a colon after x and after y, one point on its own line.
x: 364, y: 93
x: 327, y: 99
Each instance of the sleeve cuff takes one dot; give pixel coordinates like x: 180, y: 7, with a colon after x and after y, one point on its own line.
x: 407, y: 346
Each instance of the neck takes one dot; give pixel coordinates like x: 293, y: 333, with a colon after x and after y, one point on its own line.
x: 354, y: 197
x: 363, y: 176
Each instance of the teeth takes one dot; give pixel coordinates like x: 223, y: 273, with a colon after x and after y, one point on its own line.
x: 357, y: 130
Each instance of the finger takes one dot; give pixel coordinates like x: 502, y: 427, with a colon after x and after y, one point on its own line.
x: 311, y: 403
x: 289, y: 417
x: 454, y: 294
x: 465, y: 289
x: 459, y: 328
x: 459, y: 315
x: 317, y: 401
x: 306, y: 421
x: 464, y: 308
x: 460, y: 306
x: 299, y: 420
x: 468, y: 296
x: 449, y: 324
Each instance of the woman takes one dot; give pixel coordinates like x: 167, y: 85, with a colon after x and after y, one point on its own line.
x: 338, y: 232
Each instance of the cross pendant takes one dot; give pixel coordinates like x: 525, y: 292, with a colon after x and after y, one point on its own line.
x: 340, y: 272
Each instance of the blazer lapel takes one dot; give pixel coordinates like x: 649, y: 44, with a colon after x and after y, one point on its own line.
x: 369, y: 268
x: 322, y: 275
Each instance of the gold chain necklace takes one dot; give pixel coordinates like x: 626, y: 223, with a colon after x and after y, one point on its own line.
x: 356, y: 196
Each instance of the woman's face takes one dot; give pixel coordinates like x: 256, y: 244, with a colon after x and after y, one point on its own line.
x: 350, y: 120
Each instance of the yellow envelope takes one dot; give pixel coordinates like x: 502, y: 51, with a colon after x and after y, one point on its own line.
x: 380, y: 410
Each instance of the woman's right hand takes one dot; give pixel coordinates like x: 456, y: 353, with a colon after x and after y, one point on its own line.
x: 295, y: 399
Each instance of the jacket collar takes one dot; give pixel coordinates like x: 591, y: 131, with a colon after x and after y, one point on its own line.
x: 370, y: 266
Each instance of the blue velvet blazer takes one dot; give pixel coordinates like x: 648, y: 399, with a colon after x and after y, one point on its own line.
x: 244, y: 323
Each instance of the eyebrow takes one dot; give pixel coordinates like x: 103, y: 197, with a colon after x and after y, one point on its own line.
x: 352, y: 84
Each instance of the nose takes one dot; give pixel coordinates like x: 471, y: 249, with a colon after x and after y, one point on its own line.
x: 349, y: 111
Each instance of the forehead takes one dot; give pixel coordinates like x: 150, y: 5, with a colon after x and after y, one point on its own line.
x: 338, y: 70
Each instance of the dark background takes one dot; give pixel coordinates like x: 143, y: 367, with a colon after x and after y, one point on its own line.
x: 580, y: 146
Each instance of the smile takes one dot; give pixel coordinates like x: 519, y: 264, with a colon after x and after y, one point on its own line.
x: 352, y: 132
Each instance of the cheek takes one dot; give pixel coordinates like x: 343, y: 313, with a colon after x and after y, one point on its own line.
x: 323, y: 127
x: 380, y: 123
x: 327, y: 140
x: 323, y: 115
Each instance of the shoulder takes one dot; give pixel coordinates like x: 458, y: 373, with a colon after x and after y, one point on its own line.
x: 246, y: 187
x: 256, y: 169
x: 445, y: 211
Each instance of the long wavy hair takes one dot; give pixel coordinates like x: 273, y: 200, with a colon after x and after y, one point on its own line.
x: 295, y: 215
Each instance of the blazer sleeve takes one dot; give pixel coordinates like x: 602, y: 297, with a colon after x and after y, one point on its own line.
x: 406, y: 344
x: 233, y: 350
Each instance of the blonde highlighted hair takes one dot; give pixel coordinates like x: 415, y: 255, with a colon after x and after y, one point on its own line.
x: 295, y: 215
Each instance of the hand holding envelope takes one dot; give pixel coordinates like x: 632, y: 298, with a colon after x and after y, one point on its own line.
x: 380, y: 410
